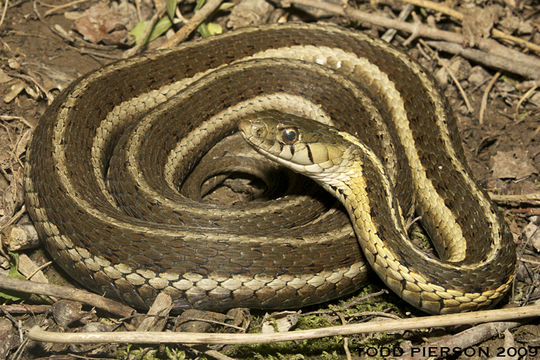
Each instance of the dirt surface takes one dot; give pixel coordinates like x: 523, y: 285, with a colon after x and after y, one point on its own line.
x: 503, y: 151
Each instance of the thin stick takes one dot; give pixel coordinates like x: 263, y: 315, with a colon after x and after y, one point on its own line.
x: 38, y: 334
x: 217, y: 355
x: 458, y: 85
x: 525, y: 211
x: 149, y: 27
x: 38, y: 269
x: 189, y: 318
x: 462, y: 340
x: 523, y: 98
x: 25, y: 309
x: 456, y: 14
x: 403, y: 15
x: 530, y: 261
x: 13, y: 219
x: 65, y: 292
x: 4, y: 12
x: 483, y: 104
x: 345, y: 340
x: 490, y: 59
x: 532, y: 199
x: 193, y: 23
x: 63, y: 6
x: 524, y: 65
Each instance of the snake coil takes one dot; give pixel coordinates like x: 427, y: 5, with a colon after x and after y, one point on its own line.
x: 106, y: 160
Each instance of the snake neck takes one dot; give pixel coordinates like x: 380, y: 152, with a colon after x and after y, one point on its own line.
x: 364, y: 187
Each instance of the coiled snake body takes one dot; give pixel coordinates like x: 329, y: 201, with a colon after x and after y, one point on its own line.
x: 105, y: 164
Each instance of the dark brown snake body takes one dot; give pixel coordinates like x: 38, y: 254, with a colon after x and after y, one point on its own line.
x: 107, y: 158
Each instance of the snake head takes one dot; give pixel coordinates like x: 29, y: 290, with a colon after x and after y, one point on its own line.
x: 304, y: 145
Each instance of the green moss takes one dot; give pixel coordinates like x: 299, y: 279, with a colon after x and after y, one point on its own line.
x: 328, y: 347
x: 152, y: 353
x: 302, y: 349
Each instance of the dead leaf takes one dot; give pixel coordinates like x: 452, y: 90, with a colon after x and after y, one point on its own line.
x: 5, y: 149
x: 22, y: 142
x: 13, y: 196
x: 15, y: 87
x: 478, y: 76
x: 532, y: 232
x: 51, y: 77
x: 14, y: 64
x: 512, y: 164
x: 193, y: 320
x: 478, y: 22
x: 28, y: 267
x: 512, y: 24
x: 109, y: 25
x: 280, y: 322
x: 4, y: 77
x: 458, y: 66
x: 249, y: 13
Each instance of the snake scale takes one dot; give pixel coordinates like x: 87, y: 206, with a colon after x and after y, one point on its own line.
x: 107, y: 160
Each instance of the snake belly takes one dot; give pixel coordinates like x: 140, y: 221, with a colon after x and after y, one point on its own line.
x: 106, y: 160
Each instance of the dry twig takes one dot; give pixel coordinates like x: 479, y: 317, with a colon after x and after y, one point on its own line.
x: 457, y: 15
x: 56, y: 8
x: 65, y: 292
x: 483, y: 104
x: 508, y: 59
x: 39, y: 334
x: 403, y: 15
x: 4, y: 12
x: 25, y: 309
x: 455, y: 80
x: 525, y: 96
x: 465, y: 339
x: 516, y: 200
x: 149, y: 27
x: 194, y: 22
x: 530, y: 70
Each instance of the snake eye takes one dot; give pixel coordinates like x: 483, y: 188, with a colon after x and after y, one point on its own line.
x: 289, y: 135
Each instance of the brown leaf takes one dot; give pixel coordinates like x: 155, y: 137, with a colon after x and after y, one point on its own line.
x: 477, y: 23
x: 532, y: 232
x: 51, y: 76
x: 249, y: 13
x: 13, y: 196
x: 512, y: 164
x: 109, y: 25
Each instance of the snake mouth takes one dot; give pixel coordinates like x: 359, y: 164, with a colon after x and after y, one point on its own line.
x: 253, y: 130
x: 244, y: 125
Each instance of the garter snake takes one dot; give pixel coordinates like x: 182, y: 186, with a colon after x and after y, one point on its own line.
x: 107, y: 159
